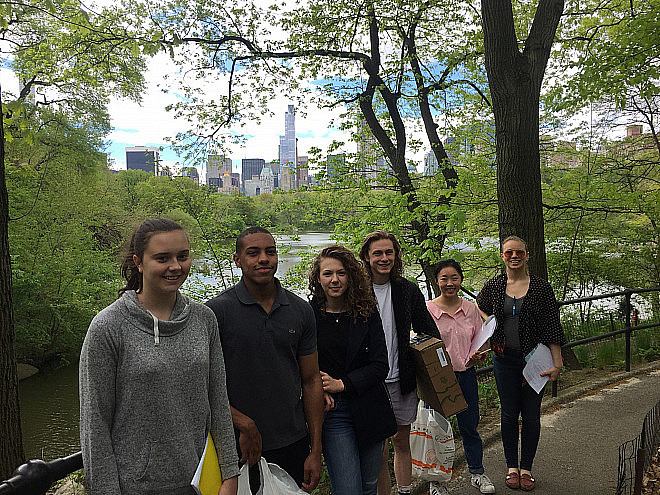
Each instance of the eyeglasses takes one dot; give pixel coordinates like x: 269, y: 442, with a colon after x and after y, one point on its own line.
x: 510, y: 252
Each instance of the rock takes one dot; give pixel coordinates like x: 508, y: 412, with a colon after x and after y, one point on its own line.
x: 25, y: 371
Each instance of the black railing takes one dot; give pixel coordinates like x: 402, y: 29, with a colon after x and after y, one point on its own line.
x: 36, y: 476
x: 627, y: 328
x: 636, y: 455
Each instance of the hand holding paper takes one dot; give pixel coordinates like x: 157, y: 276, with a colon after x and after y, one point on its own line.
x: 482, y: 336
x: 539, y: 362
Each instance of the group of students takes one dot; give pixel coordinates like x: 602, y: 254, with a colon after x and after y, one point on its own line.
x: 270, y: 375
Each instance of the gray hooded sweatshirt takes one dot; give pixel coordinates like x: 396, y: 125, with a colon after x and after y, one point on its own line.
x: 150, y: 391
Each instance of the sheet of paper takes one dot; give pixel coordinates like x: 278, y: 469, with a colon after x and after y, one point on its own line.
x: 538, y: 361
x: 482, y: 336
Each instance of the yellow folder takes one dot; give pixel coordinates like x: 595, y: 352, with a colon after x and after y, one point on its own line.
x: 207, y: 478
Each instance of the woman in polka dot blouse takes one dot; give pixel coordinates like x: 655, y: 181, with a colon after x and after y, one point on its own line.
x: 527, y: 314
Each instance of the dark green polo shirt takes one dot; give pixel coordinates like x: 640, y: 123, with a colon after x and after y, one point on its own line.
x: 261, y: 359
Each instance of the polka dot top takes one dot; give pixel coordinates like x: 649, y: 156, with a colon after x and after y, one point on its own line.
x: 539, y: 316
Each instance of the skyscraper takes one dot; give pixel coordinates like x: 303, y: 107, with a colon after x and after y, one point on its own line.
x: 142, y: 158
x: 302, y: 172
x: 217, y: 166
x: 370, y: 159
x: 288, y: 151
x: 430, y: 163
x: 251, y: 167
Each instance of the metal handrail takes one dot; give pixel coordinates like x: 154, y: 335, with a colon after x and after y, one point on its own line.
x: 36, y: 476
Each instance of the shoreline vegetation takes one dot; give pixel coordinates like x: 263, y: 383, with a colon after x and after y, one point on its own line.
x: 55, y: 301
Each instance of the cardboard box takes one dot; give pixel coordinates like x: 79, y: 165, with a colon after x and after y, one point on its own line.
x: 436, y: 381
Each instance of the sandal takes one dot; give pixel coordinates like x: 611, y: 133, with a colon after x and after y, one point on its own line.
x: 512, y: 480
x: 527, y: 482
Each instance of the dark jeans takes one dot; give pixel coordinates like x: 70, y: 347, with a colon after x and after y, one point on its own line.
x: 290, y: 458
x: 468, y: 420
x: 517, y: 400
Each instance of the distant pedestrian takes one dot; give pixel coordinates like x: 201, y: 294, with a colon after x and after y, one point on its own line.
x: 353, y: 363
x: 152, y: 378
x: 458, y: 321
x: 527, y: 314
x: 634, y: 319
x: 402, y: 309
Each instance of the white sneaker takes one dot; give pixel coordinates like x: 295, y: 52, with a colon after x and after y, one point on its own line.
x: 482, y: 482
x: 437, y: 488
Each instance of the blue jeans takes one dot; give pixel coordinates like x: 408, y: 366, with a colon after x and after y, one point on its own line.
x: 468, y: 421
x: 517, y: 400
x: 353, y: 469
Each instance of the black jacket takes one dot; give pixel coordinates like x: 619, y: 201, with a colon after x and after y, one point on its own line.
x: 410, y: 313
x: 539, y: 315
x: 363, y: 377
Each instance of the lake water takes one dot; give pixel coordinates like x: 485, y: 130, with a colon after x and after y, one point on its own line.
x: 49, y: 402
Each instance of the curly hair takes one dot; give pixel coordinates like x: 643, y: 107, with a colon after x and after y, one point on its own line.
x: 378, y: 235
x: 359, y: 296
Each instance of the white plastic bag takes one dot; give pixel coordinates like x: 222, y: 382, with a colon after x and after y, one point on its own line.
x: 431, y: 445
x: 274, y: 481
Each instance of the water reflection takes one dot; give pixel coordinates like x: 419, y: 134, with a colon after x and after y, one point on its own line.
x: 49, y: 414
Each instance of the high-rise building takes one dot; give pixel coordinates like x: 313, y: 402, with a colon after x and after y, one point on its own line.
x: 260, y: 184
x: 334, y: 166
x: 190, y: 172
x: 288, y: 151
x: 634, y: 130
x: 143, y: 158
x: 370, y: 158
x: 216, y: 167
x: 302, y: 172
x: 430, y: 163
x: 251, y: 167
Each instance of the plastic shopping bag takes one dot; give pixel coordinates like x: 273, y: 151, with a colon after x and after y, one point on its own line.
x: 274, y: 481
x: 431, y: 445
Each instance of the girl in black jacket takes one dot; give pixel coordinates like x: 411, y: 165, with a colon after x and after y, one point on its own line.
x: 353, y: 363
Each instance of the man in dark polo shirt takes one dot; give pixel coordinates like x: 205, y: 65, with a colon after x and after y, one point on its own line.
x: 268, y: 339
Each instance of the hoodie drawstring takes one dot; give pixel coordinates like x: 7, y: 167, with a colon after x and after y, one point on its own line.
x: 156, y: 336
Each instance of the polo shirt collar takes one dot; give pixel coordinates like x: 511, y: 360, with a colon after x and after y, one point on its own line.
x: 245, y: 297
x: 437, y: 311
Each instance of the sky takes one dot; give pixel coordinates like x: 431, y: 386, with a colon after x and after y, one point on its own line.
x: 148, y: 124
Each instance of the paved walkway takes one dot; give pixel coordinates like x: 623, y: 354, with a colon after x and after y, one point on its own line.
x: 580, y: 436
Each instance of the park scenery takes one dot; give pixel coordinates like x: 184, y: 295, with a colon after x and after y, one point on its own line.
x: 451, y: 124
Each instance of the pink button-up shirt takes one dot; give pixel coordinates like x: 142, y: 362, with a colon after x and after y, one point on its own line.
x: 457, y: 330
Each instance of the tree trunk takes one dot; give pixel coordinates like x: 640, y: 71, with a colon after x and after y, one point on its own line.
x: 515, y: 84
x: 11, y: 445
x: 520, y: 210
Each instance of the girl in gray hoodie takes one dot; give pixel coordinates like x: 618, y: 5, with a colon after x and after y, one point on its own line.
x: 152, y: 378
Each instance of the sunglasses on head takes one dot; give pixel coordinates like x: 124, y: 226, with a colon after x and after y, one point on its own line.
x: 510, y: 252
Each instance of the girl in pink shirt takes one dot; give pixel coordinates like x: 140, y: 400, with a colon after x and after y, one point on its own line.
x: 458, y: 321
